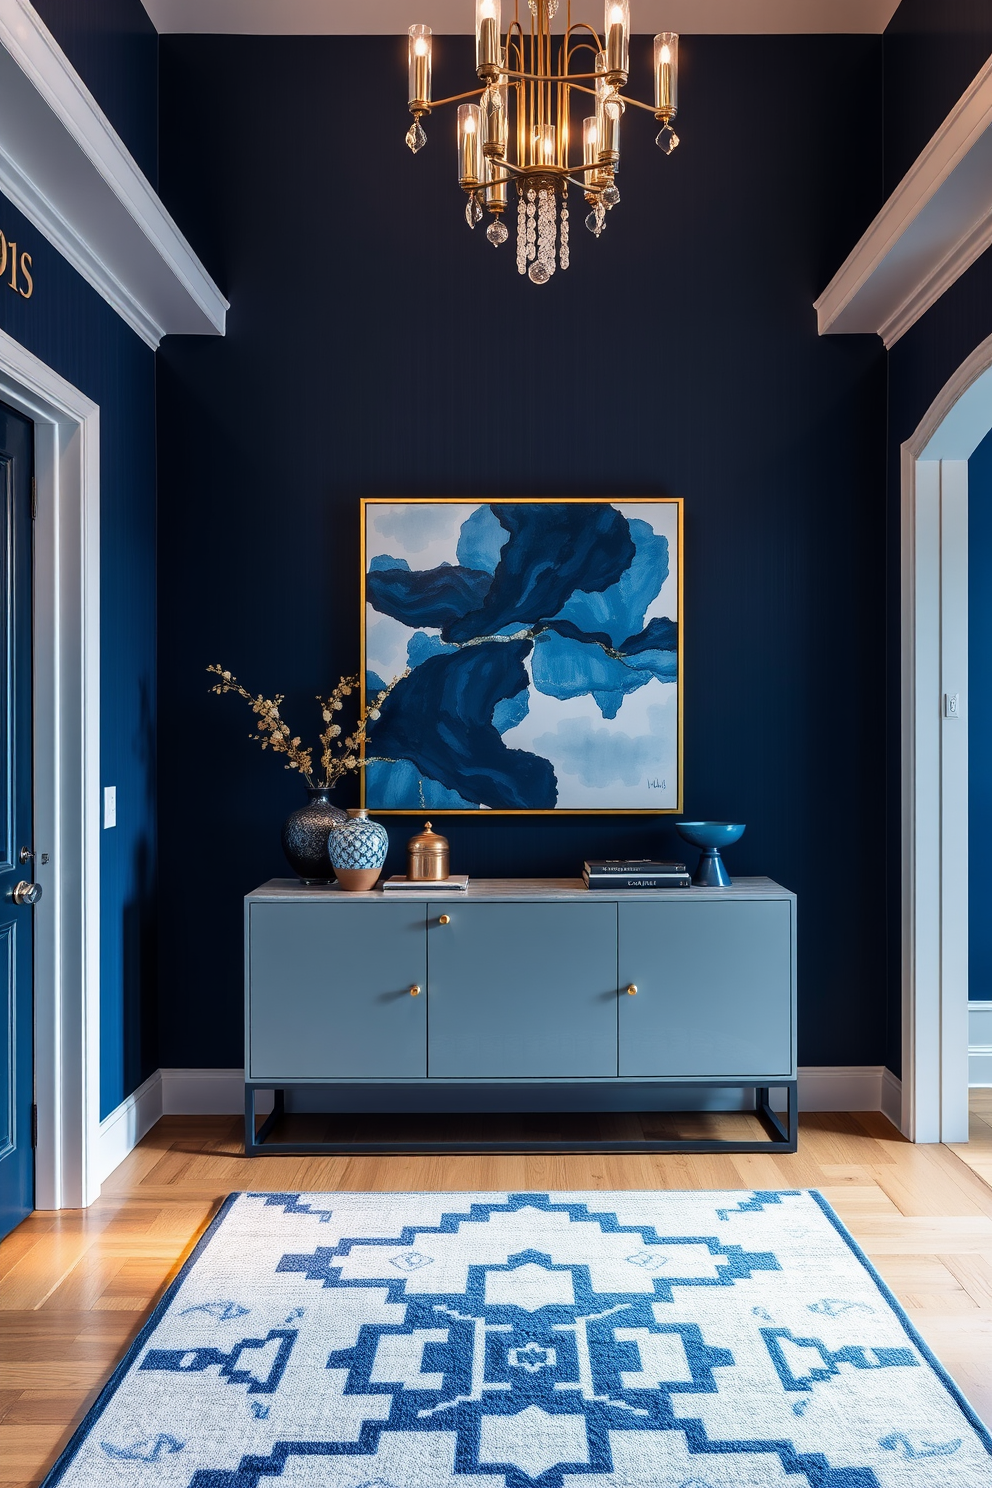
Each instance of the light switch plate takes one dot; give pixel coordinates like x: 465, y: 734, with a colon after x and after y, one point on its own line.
x: 109, y: 806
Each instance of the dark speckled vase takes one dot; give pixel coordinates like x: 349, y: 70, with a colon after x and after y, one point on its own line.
x: 305, y: 832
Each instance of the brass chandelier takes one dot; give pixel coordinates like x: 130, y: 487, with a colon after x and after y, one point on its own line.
x: 532, y: 151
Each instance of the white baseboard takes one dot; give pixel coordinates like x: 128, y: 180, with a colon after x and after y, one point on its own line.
x: 124, y: 1128
x: 220, y: 1092
x: 891, y: 1102
x: 980, y: 1043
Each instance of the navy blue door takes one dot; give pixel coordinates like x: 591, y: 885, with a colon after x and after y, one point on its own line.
x: 16, y: 918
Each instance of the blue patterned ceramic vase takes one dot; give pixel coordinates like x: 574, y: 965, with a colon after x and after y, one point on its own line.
x: 304, y: 835
x: 357, y: 850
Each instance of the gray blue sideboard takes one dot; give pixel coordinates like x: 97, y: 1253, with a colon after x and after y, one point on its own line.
x: 522, y: 982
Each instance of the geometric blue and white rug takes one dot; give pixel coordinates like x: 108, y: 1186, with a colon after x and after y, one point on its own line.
x: 563, y: 1340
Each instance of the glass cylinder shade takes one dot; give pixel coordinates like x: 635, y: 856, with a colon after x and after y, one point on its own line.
x: 608, y: 120
x: 420, y: 64
x: 666, y: 74
x: 469, y: 144
x: 617, y: 33
x: 590, y: 142
x: 495, y: 194
x: 544, y: 149
x: 487, y: 48
x: 495, y: 121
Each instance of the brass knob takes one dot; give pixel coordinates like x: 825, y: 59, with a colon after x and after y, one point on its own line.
x: 631, y: 990
x: 444, y: 919
x: 26, y: 893
x: 414, y: 990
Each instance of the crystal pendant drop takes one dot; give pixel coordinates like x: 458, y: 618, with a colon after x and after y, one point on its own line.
x: 610, y: 197
x: 497, y: 232
x: 596, y: 220
x: 666, y: 139
x: 416, y: 136
x: 538, y: 273
x: 473, y: 212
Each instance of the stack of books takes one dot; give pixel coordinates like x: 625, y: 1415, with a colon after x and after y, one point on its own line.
x: 634, y: 873
x: 456, y: 883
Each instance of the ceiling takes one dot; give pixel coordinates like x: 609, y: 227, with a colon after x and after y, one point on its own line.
x: 457, y: 17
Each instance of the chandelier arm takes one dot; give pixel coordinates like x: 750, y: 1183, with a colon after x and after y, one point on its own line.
x: 456, y: 98
x: 624, y: 98
x: 584, y: 26
x: 589, y: 187
x: 551, y: 77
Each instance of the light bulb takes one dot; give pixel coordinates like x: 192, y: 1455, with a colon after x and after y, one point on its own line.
x: 470, y: 125
x: 487, y: 10
x: 420, y: 47
x: 666, y: 54
x: 616, y: 15
x: 593, y: 135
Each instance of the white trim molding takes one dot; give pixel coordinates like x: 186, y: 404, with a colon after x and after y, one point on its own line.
x: 66, y: 774
x: 934, y: 584
x: 123, y: 1129
x: 65, y: 167
x: 454, y: 17
x: 980, y: 1043
x: 935, y: 224
x: 221, y: 1092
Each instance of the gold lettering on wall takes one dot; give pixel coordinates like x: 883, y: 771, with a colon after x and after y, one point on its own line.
x: 16, y: 271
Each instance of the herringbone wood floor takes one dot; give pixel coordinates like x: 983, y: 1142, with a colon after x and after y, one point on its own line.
x: 76, y: 1286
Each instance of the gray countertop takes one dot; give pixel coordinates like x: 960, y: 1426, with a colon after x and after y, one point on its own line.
x: 482, y: 890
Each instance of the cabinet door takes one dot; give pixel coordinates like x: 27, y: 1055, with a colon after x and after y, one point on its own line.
x: 714, y: 988
x: 329, y: 992
x: 522, y: 991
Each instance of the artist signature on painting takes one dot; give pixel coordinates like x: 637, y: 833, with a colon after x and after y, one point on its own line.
x: 657, y: 784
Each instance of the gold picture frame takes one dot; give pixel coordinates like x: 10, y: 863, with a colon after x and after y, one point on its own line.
x: 430, y: 609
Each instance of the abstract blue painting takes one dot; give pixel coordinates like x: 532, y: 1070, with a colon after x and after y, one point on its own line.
x: 541, y: 645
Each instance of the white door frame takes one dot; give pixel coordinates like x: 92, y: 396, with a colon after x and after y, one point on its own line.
x: 935, y: 752
x: 66, y: 774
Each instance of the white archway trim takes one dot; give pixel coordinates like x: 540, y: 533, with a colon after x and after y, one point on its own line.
x: 66, y: 774
x: 935, y: 752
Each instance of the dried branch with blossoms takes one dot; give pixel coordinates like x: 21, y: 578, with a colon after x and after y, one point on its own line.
x: 338, y: 755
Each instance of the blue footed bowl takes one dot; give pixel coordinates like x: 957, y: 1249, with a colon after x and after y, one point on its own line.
x: 711, y: 836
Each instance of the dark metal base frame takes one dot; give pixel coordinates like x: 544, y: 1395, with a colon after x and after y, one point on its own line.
x: 781, y: 1138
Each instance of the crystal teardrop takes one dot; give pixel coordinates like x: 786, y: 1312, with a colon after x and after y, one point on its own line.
x: 666, y: 139
x: 416, y: 136
x: 473, y: 212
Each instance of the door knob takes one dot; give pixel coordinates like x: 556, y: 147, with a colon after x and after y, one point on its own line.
x: 414, y: 990
x: 631, y: 990
x: 26, y: 893
x: 444, y: 919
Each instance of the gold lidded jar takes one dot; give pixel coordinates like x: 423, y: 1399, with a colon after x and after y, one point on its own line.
x: 427, y: 856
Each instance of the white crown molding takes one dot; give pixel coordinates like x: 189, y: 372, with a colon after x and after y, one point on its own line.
x: 64, y: 166
x: 457, y: 17
x: 935, y: 224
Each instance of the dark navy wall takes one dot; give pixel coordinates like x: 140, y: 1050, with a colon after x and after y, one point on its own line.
x: 946, y: 44
x: 980, y: 720
x: 71, y: 328
x: 376, y: 347
x: 933, y: 50
x: 113, y: 46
